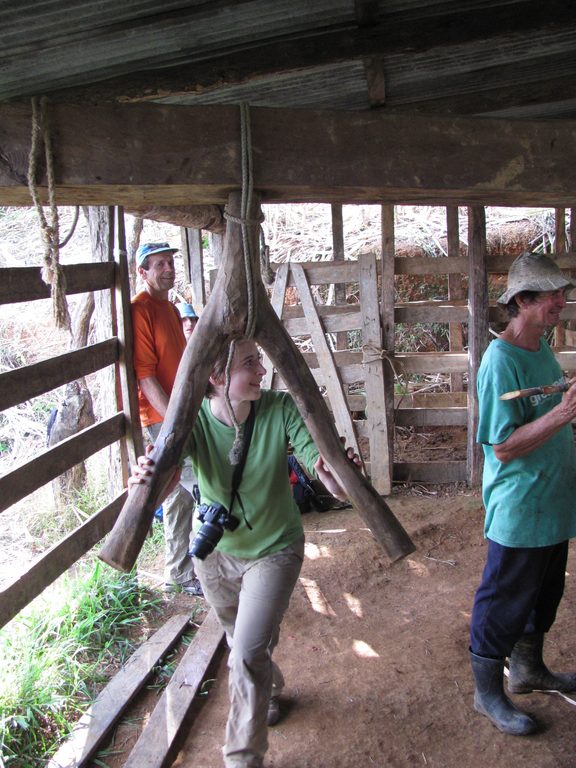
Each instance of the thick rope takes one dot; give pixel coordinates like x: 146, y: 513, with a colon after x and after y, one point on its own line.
x: 248, y: 249
x: 52, y: 272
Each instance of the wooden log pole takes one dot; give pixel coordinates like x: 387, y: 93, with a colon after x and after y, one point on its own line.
x: 280, y: 348
x: 226, y: 312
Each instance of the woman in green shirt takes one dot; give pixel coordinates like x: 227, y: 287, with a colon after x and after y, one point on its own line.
x: 250, y: 575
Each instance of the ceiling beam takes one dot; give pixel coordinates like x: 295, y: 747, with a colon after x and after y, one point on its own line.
x: 171, y: 155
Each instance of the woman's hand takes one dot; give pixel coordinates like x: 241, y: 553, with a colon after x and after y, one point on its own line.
x: 326, y: 476
x: 142, y: 472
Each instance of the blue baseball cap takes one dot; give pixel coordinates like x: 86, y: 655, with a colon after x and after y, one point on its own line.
x: 149, y: 249
x: 186, y: 310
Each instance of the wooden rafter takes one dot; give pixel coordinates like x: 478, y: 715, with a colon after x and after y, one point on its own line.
x: 177, y: 155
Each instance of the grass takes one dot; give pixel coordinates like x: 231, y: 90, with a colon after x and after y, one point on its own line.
x: 58, y: 652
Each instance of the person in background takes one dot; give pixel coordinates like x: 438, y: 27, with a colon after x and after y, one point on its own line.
x: 529, y: 493
x: 249, y: 571
x: 159, y: 343
x: 188, y: 316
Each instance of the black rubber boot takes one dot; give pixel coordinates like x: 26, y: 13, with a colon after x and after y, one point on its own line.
x: 528, y: 671
x: 491, y: 701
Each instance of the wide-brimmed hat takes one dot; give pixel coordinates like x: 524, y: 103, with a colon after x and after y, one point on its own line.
x: 186, y: 310
x: 149, y: 249
x: 533, y: 272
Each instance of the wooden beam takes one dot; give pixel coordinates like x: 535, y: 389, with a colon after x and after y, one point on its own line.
x: 455, y: 290
x: 174, y: 154
x: 376, y: 412
x: 132, y: 444
x: 29, y: 381
x: 478, y: 333
x: 325, y: 357
x: 26, y: 284
x: 277, y: 301
x: 52, y: 564
x: 430, y: 471
x: 18, y: 483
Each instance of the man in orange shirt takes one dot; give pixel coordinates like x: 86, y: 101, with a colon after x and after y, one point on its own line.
x: 159, y: 343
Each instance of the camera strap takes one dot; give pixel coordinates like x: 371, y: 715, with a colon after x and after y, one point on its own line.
x: 239, y: 468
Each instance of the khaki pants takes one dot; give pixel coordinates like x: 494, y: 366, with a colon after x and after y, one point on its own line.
x: 178, y: 514
x: 250, y: 598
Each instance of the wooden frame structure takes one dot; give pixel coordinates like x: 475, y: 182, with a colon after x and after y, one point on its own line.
x: 525, y: 163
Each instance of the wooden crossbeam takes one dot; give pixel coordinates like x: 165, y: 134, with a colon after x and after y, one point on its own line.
x: 133, y: 154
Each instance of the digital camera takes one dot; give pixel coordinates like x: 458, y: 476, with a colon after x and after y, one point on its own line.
x: 215, y: 519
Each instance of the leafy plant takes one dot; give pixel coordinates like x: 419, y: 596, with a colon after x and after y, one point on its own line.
x: 58, y: 651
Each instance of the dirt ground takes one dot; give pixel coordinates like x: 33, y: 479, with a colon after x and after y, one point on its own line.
x: 375, y: 655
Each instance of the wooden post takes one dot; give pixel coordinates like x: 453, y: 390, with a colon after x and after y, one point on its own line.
x: 278, y: 297
x: 455, y: 291
x: 193, y: 254
x: 374, y: 365
x: 338, y: 255
x: 478, y: 330
x: 133, y: 443
x: 388, y: 330
x: 560, y: 247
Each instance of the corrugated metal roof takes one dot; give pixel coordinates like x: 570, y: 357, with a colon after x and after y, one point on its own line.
x: 499, y: 57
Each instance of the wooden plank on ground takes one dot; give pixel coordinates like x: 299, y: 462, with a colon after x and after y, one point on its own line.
x: 376, y: 412
x: 157, y: 738
x: 97, y: 723
x: 326, y: 362
x: 277, y: 301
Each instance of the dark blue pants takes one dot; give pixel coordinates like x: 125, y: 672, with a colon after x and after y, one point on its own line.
x: 519, y: 594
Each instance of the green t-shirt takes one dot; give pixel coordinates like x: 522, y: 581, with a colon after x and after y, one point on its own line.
x: 265, y: 487
x: 529, y: 501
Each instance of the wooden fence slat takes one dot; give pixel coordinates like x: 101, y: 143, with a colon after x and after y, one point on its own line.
x: 26, y: 284
x: 325, y: 357
x: 430, y: 471
x: 52, y: 564
x: 277, y: 301
x: 157, y: 738
x: 377, y: 422
x: 21, y: 384
x: 23, y: 480
x: 98, y: 722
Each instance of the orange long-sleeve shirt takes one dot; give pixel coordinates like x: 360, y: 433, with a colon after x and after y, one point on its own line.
x: 159, y: 343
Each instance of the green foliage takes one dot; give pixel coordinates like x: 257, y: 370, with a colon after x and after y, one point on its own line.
x: 57, y: 652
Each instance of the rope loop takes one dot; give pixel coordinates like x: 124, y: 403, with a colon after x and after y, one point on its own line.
x: 383, y: 354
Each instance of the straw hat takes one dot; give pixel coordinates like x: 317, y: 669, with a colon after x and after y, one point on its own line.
x: 533, y: 272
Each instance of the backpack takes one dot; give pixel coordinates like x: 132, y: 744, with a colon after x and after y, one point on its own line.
x: 309, y: 493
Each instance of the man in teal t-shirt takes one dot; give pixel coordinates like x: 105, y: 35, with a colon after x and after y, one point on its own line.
x: 529, y: 492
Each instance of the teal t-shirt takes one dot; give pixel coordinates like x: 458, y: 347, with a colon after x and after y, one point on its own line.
x: 265, y: 487
x: 529, y: 501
